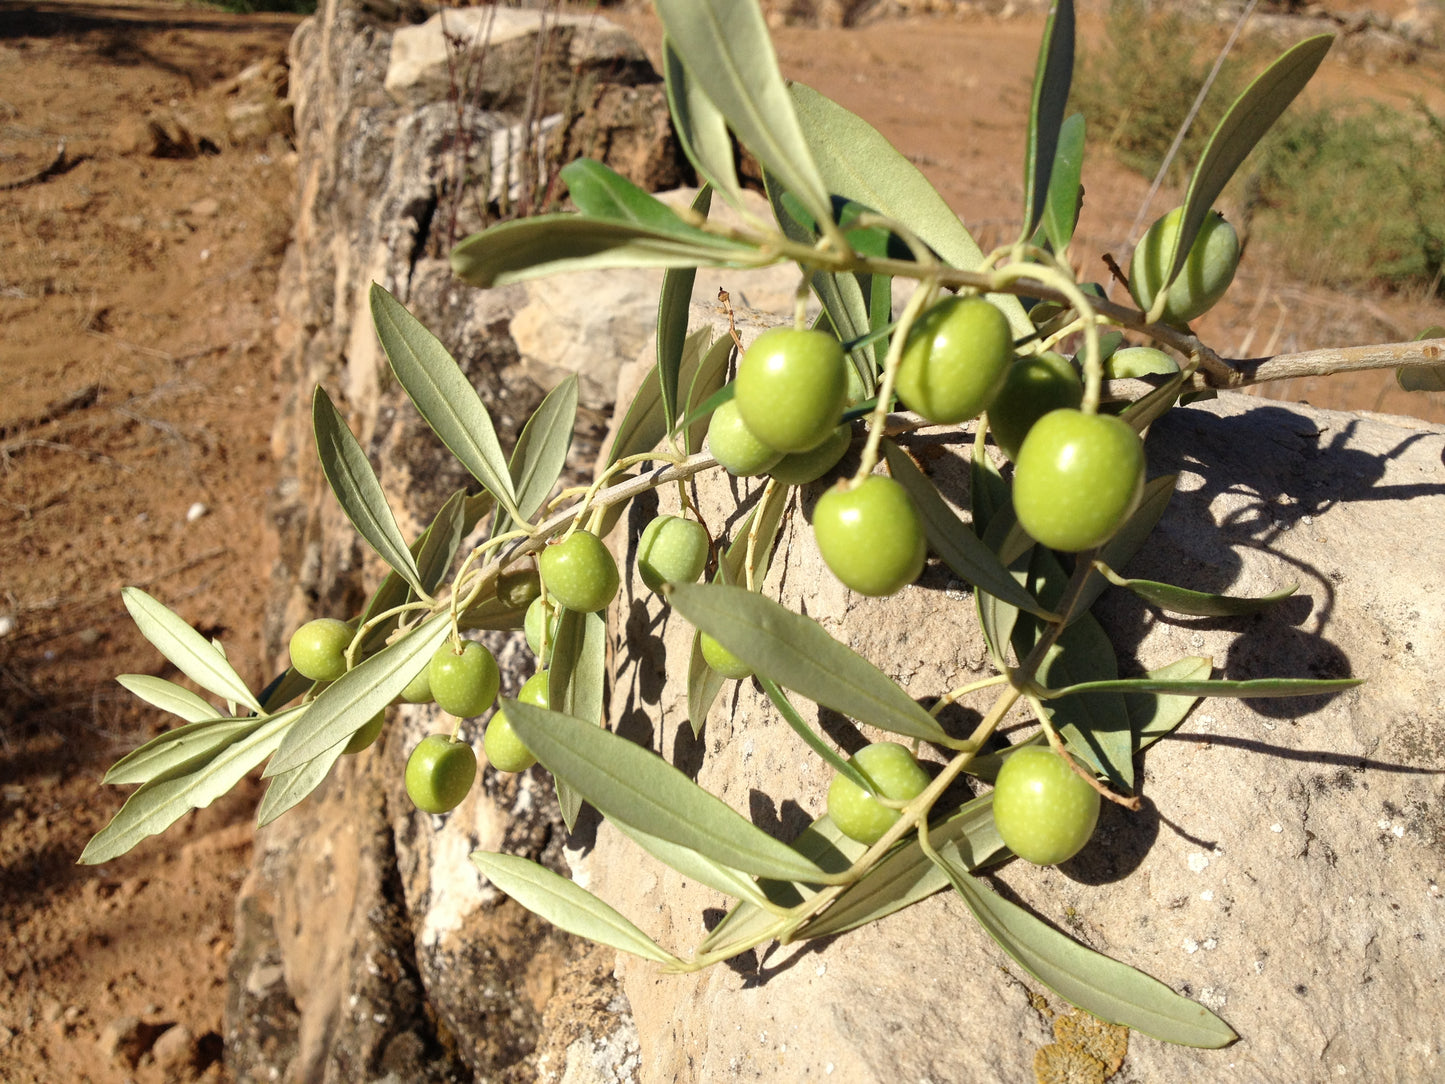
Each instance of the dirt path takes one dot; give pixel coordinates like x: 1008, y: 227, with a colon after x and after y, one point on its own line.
x: 136, y: 281
x: 135, y: 357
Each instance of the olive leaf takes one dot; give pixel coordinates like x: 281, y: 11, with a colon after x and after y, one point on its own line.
x: 1112, y: 991
x: 348, y: 703
x: 1252, y: 688
x: 859, y: 164
x: 443, y: 396
x: 705, y: 373
x: 954, y: 540
x: 190, y: 652
x: 1244, y: 125
x: 644, y: 425
x: 290, y: 787
x: 1066, y: 195
x: 907, y: 875
x: 357, y: 489
x: 577, y: 684
x: 689, y: 863
x: 1096, y: 727
x: 762, y: 523
x: 180, y: 750
x: 1181, y: 600
x: 169, y: 697
x: 798, y: 654
x: 701, y: 128
x: 1153, y: 715
x: 634, y: 785
x: 842, y: 295
x: 1052, y: 78
x: 529, y: 248
x: 434, y: 550
x: 567, y: 905
x: 727, y: 52
x: 157, y: 805
x: 1130, y: 537
x: 672, y: 312
x: 541, y: 451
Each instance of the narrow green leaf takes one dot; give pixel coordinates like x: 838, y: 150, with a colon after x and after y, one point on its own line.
x: 1052, y: 78
x: 1421, y: 377
x: 701, y: 129
x: 794, y: 651
x: 1144, y: 412
x: 954, y: 540
x: 703, y: 371
x: 689, y: 863
x: 813, y: 740
x: 436, y: 547
x: 860, y: 165
x: 567, y: 905
x: 288, y: 788
x: 190, y: 652
x: 180, y: 750
x: 528, y: 248
x: 635, y: 786
x: 1153, y: 715
x: 169, y: 697
x: 907, y: 875
x: 541, y: 450
x: 443, y: 395
x: 703, y: 682
x: 433, y: 551
x: 346, y: 705
x: 1180, y: 600
x: 1112, y: 991
x: 1253, y: 688
x: 577, y: 684
x: 156, y: 806
x: 988, y: 493
x: 284, y: 688
x: 755, y: 538
x: 841, y: 295
x: 603, y: 193
x: 357, y: 489
x: 672, y: 310
x: 997, y: 619
x: 1061, y: 209
x: 1130, y: 538
x: 1096, y: 727
x: 703, y: 685
x: 726, y: 50
x: 643, y: 426
x: 1249, y: 118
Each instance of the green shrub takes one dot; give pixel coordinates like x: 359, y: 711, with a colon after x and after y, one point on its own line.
x: 1356, y: 199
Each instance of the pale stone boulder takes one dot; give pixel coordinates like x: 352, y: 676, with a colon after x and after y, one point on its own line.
x: 1288, y: 865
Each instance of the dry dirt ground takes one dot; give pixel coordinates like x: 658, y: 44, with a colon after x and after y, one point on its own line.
x: 137, y: 371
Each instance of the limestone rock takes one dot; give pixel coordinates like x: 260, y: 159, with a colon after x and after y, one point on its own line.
x: 488, y: 55
x: 1286, y: 870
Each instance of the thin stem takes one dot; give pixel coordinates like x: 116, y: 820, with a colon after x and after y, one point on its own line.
x: 878, y: 420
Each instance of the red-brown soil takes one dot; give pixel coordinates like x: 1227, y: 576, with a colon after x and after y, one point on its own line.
x: 137, y: 367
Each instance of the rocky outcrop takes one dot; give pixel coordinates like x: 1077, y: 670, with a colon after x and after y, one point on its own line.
x: 1287, y: 868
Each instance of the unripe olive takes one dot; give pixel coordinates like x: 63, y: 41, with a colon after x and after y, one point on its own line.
x: 735, y: 446
x: 1207, y: 272
x: 671, y: 550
